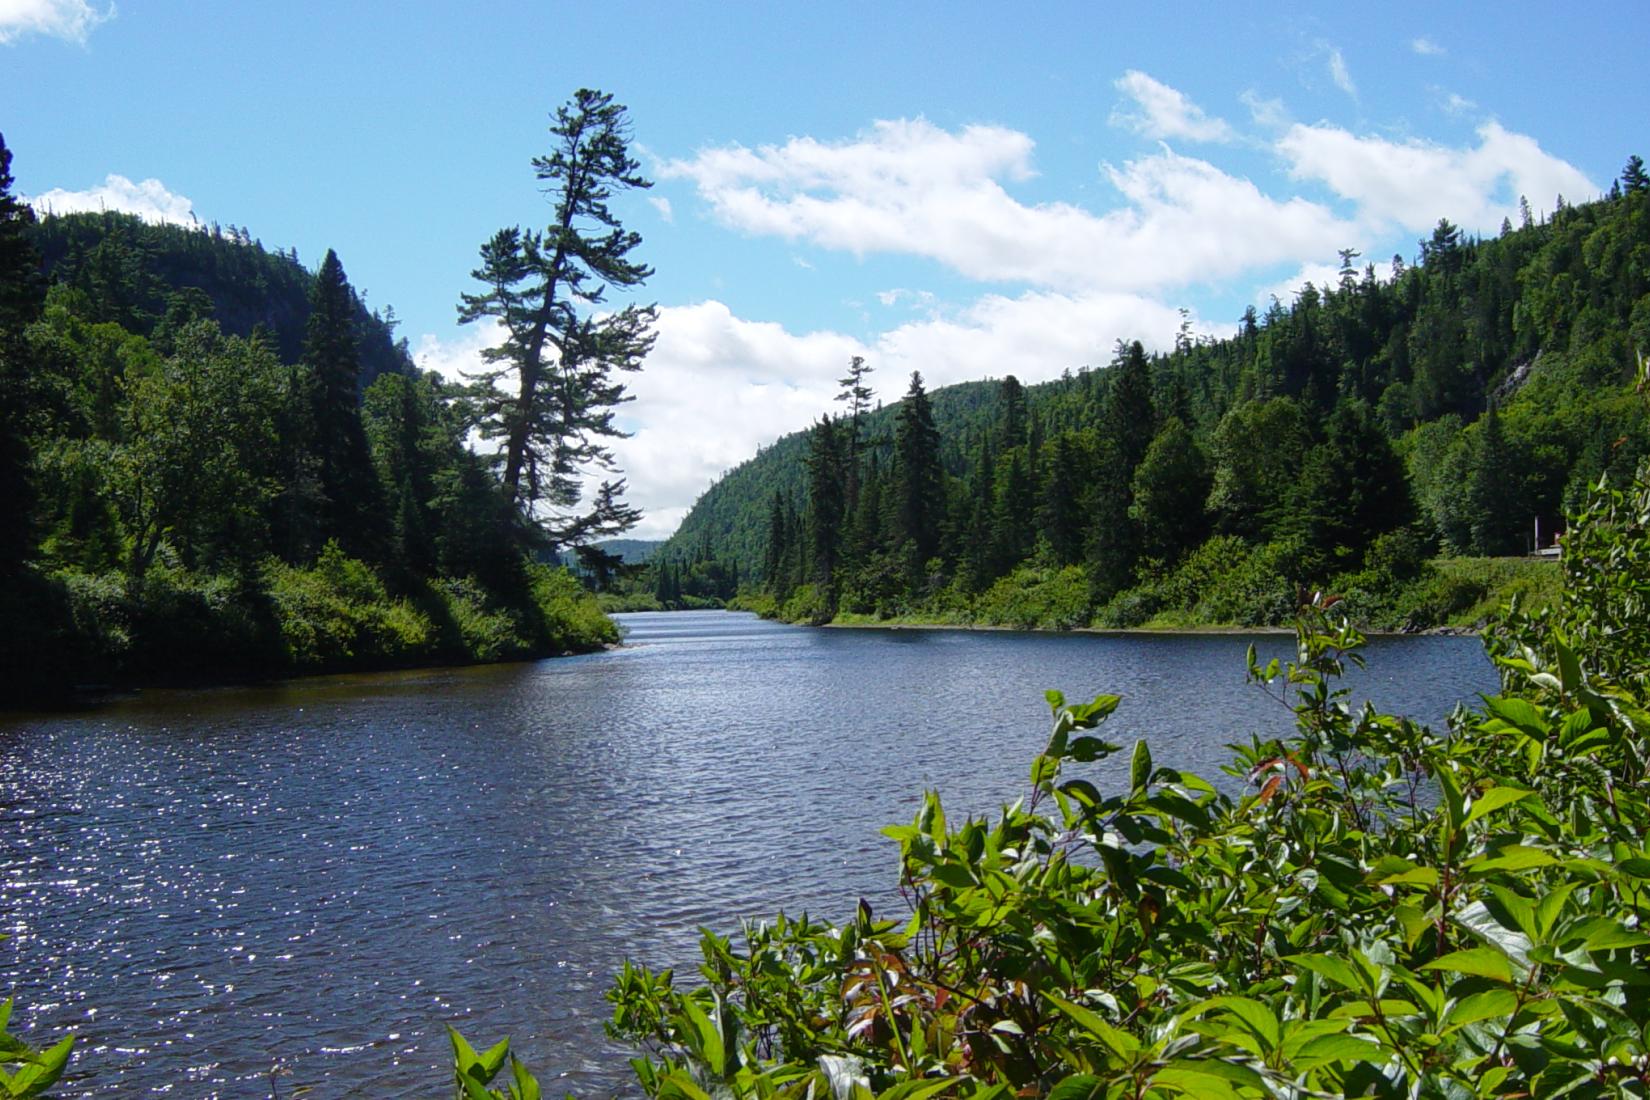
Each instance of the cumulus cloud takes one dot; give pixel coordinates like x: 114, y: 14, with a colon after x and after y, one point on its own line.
x: 1426, y: 47
x: 149, y: 200
x: 662, y: 205
x: 70, y: 20
x: 910, y: 187
x: 1411, y: 184
x: 1159, y: 111
x: 717, y: 386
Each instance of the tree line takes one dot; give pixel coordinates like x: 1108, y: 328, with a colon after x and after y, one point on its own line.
x: 1344, y: 439
x: 214, y: 460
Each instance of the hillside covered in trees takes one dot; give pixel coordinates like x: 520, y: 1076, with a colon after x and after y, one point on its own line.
x: 215, y: 462
x: 1346, y: 440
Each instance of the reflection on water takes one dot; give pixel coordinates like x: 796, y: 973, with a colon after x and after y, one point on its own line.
x: 318, y: 876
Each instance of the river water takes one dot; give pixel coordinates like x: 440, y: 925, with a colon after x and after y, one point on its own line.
x: 306, y: 882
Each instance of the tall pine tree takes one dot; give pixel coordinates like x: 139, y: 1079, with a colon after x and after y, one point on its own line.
x: 351, y: 506
x: 919, y: 480
x: 550, y: 395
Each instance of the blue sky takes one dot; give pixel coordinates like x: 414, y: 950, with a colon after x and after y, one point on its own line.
x: 963, y: 188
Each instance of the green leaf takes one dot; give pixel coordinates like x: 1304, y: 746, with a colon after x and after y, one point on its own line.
x: 918, y: 1088
x: 1140, y: 768
x: 1254, y: 1015
x: 1337, y: 1048
x: 1079, y: 1086
x: 1569, y: 668
x: 1044, y: 769
x: 1396, y: 871
x: 1494, y: 799
x: 1480, y: 962
x: 1335, y: 969
x: 1489, y: 1004
x: 1056, y: 700
x: 1121, y: 1043
x: 1524, y: 716
x: 1195, y: 1078
x: 526, y: 1085
x: 1512, y: 857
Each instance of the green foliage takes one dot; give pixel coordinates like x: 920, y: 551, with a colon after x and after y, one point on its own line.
x: 37, y: 1070
x: 473, y: 1072
x: 550, y: 391
x: 188, y: 498
x: 1367, y: 907
x: 337, y: 614
x: 1040, y: 597
x: 1322, y: 426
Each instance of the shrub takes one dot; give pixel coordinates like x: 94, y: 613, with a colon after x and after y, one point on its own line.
x: 1033, y: 596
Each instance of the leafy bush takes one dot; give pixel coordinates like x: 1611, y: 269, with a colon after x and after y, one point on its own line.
x: 485, y: 631
x: 572, y: 620
x: 1034, y: 596
x: 338, y: 614
x: 807, y: 605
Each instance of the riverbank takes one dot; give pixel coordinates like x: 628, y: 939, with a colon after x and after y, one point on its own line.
x: 1445, y: 595
x: 64, y: 632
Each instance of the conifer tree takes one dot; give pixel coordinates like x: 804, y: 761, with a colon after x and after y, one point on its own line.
x: 919, y: 481
x: 550, y: 395
x: 22, y: 292
x: 351, y: 504
x: 1059, y: 514
x: 1170, y: 486
x: 825, y: 502
x: 1497, y: 519
x: 1012, y: 397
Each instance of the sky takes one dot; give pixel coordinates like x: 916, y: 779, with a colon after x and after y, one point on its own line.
x: 970, y: 190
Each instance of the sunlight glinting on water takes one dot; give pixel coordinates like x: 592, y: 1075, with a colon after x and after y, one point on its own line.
x: 315, y: 878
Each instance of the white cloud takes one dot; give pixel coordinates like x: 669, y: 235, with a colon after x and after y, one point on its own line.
x: 1412, y: 184
x: 1163, y: 112
x: 717, y: 387
x: 1033, y: 336
x: 910, y: 187
x: 1426, y: 47
x: 1339, y: 73
x: 1285, y: 290
x: 70, y: 20
x: 149, y: 200
x: 1266, y: 112
x: 1453, y: 103
x: 662, y: 205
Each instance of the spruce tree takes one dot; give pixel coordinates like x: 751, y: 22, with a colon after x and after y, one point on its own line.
x: 919, y: 481
x: 826, y: 504
x: 351, y: 504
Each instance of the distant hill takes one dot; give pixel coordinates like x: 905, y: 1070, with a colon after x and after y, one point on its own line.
x: 630, y: 551
x: 732, y: 515
x: 129, y: 269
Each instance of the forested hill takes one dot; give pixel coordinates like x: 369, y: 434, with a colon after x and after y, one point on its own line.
x: 731, y: 517
x: 1444, y: 408
x: 134, y: 274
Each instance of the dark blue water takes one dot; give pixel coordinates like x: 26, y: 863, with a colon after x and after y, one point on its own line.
x: 313, y: 879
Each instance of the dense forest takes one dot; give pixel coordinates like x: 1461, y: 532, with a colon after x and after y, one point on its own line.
x: 1387, y: 437
x: 215, y: 462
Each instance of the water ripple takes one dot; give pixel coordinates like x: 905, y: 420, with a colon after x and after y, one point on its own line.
x: 316, y: 877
